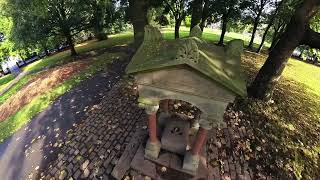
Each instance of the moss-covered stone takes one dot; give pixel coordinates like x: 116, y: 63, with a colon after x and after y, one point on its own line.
x: 196, y: 32
x: 221, y: 65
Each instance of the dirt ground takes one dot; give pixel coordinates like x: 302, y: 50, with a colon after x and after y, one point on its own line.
x: 40, y: 84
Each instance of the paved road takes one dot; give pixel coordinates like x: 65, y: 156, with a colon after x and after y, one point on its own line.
x: 35, y: 144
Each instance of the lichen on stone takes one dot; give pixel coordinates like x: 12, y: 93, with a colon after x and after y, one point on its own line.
x: 234, y: 47
x: 196, y: 32
x: 152, y: 34
x: 188, y: 51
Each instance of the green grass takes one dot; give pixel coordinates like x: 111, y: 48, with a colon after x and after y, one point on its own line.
x: 15, y: 88
x: 39, y: 103
x: 64, y: 57
x: 5, y: 80
x: 210, y: 35
x: 288, y: 129
x: 304, y: 73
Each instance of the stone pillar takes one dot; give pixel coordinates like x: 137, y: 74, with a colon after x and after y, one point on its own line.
x: 200, y: 141
x: 165, y: 105
x: 192, y: 158
x: 153, y: 127
x: 163, y: 115
x: 153, y: 145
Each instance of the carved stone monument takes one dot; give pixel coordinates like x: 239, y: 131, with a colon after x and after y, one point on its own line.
x: 189, y: 69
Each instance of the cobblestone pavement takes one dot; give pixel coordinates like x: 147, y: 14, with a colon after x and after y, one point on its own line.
x: 94, y: 147
x: 30, y: 149
x: 226, y: 163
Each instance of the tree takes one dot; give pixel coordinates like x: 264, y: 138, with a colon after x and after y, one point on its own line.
x: 196, y: 8
x: 64, y: 18
x: 98, y: 19
x: 279, y: 27
x: 138, y: 10
x: 116, y: 18
x: 178, y: 9
x: 1, y: 37
x: 298, y: 32
x: 272, y: 18
x: 6, y: 46
x: 256, y: 9
x: 227, y: 10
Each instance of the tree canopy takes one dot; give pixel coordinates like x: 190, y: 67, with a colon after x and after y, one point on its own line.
x: 35, y: 25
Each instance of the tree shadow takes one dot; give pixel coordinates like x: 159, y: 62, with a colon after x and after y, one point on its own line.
x: 28, y: 152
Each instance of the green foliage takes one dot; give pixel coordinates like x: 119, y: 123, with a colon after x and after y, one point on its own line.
x: 115, y: 19
x: 157, y: 17
x: 187, y: 21
x: 46, y: 21
x: 237, y: 26
x: 99, y: 8
x: 6, y: 46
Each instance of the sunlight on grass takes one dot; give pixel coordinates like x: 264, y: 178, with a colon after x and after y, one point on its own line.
x: 64, y: 57
x: 290, y: 125
x: 15, y: 88
x: 304, y: 73
x: 39, y: 103
x: 210, y: 35
x: 5, y: 80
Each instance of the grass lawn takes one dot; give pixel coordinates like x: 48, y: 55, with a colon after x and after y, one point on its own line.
x: 39, y: 103
x: 5, y: 80
x: 211, y: 35
x: 285, y: 133
x: 64, y: 57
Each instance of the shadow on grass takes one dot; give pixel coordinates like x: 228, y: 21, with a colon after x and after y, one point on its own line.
x: 283, y: 136
x: 26, y: 153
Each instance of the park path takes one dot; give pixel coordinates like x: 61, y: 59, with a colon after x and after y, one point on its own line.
x: 94, y: 148
x: 36, y: 144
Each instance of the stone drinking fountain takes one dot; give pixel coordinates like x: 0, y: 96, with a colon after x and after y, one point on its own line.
x: 188, y: 69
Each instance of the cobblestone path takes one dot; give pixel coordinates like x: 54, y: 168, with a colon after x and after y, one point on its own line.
x: 25, y: 154
x: 93, y: 148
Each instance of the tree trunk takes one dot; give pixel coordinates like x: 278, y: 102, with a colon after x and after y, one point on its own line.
x: 205, y: 14
x: 223, y: 29
x: 268, y: 76
x: 264, y: 36
x: 255, y: 27
x: 177, y: 27
x: 274, y: 15
x: 138, y: 10
x: 196, y: 13
x: 274, y: 40
x: 46, y: 51
x: 276, y: 35
x: 301, y: 53
x: 71, y: 44
x: 98, y: 20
